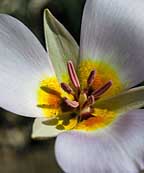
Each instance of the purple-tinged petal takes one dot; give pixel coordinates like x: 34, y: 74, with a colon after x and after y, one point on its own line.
x: 117, y: 149
x: 113, y: 32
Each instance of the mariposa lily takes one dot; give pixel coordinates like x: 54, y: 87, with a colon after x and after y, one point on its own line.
x: 87, y: 100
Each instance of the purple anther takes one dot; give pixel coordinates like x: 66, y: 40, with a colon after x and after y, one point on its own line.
x: 91, y: 78
x: 50, y: 91
x: 73, y: 75
x: 72, y: 104
x: 66, y: 88
x: 102, y: 90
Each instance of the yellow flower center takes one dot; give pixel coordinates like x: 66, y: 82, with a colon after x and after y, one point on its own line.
x: 105, y: 72
x: 71, y: 105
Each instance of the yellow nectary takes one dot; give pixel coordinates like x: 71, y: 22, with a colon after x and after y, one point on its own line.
x: 105, y: 72
x: 101, y: 119
x: 49, y: 101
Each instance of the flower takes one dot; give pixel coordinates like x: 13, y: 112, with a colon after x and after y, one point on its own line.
x: 87, y: 100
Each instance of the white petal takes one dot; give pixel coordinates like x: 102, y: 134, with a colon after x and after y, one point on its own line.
x: 113, y: 31
x: 117, y: 149
x: 23, y: 62
x: 42, y: 130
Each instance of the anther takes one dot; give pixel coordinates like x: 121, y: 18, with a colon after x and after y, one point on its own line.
x: 73, y: 75
x: 50, y: 91
x: 91, y: 78
x: 72, y: 104
x: 66, y: 88
x: 46, y: 106
x: 102, y: 90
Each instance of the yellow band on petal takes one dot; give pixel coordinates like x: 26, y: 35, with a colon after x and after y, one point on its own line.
x: 49, y: 97
x: 101, y: 119
x: 67, y: 124
x: 104, y: 73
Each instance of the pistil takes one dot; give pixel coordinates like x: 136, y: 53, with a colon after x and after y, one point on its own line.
x: 90, y: 101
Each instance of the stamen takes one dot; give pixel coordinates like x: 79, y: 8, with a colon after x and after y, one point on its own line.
x: 82, y: 104
x: 72, y: 104
x: 50, y: 91
x: 45, y: 106
x: 91, y: 78
x: 102, y: 90
x: 66, y: 88
x: 73, y: 75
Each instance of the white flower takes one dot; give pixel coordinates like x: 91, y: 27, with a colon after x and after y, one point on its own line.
x: 86, y: 100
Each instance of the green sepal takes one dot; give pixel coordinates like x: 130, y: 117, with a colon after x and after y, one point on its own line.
x: 124, y: 102
x: 60, y: 45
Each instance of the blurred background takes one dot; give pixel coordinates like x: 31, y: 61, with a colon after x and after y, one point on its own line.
x: 18, y: 152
